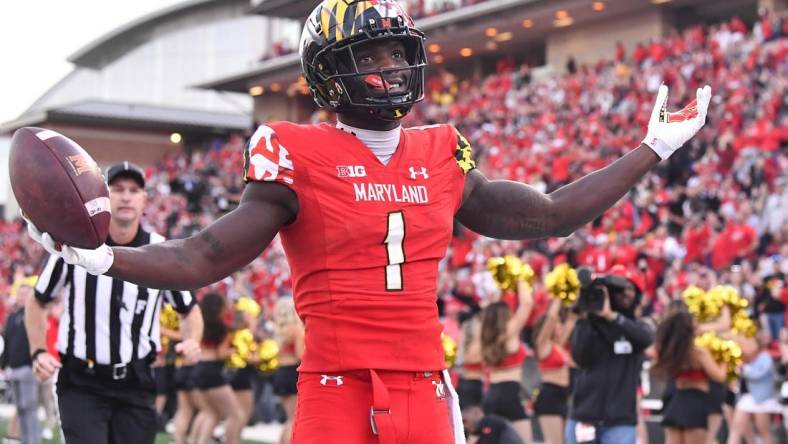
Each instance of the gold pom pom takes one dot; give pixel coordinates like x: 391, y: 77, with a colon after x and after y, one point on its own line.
x: 725, y: 352
x: 562, y: 283
x: 248, y: 305
x: 702, y: 305
x: 707, y: 306
x: 728, y: 296
x: 169, y: 318
x: 268, y: 350
x: 449, y: 350
x: 243, y: 346
x: 507, y: 271
x: 743, y: 325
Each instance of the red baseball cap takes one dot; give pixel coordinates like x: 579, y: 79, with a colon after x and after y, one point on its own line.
x: 632, y: 276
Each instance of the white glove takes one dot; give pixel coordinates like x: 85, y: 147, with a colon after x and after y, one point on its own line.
x: 96, y: 261
x: 667, y: 132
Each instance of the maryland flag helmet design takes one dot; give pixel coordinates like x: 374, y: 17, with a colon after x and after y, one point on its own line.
x: 334, y: 30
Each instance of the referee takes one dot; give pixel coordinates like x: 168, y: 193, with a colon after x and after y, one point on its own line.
x: 109, y: 332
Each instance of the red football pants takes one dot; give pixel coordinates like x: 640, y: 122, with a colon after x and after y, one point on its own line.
x: 335, y: 408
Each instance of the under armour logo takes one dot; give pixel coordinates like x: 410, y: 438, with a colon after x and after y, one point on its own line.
x: 440, y: 392
x: 414, y: 173
x: 325, y: 378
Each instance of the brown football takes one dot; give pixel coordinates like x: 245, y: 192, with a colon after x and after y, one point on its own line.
x: 59, y: 187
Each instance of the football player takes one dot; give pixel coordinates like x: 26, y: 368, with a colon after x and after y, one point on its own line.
x: 365, y: 211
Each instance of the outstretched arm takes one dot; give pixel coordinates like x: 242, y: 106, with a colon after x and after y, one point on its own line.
x: 510, y: 210
x: 221, y: 248
x: 218, y: 250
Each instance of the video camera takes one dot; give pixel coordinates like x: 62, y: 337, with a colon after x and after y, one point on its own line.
x: 592, y: 290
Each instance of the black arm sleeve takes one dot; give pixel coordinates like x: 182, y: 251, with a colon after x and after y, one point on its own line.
x: 587, y: 343
x: 51, y: 279
x: 181, y: 300
x: 638, y: 333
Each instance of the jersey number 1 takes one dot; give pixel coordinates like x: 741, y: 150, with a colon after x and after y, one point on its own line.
x: 395, y: 237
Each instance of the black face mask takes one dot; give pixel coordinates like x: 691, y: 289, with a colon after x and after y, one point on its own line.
x: 369, y: 93
x: 329, y: 39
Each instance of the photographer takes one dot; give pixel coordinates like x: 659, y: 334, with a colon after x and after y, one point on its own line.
x: 607, y: 346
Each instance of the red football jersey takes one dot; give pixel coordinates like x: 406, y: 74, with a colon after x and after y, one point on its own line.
x: 365, y: 246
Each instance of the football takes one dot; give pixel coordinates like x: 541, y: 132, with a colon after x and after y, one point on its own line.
x: 59, y: 187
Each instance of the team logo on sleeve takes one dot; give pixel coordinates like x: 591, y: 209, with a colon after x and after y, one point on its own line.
x: 266, y: 159
x: 463, y: 154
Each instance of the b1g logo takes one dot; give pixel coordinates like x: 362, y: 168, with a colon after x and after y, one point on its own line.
x: 351, y: 171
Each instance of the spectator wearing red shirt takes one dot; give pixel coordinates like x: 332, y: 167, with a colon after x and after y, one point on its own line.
x: 596, y: 255
x: 621, y: 52
x: 696, y: 240
x: 639, y: 54
x: 738, y: 240
x: 657, y: 51
x: 624, y: 252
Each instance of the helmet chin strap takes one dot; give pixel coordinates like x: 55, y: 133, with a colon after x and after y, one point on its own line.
x: 386, y: 114
x: 389, y: 114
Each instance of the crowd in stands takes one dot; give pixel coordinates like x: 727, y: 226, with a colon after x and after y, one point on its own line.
x: 715, y: 213
x: 716, y: 210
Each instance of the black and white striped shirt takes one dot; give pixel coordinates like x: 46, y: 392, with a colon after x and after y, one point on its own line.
x: 107, y: 320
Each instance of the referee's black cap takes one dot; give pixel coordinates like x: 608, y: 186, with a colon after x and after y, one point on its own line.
x: 126, y: 169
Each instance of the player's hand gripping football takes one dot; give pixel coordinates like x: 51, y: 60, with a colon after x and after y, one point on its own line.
x: 667, y: 131
x: 96, y: 261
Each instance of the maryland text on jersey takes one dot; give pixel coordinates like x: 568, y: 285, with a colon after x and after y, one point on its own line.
x: 386, y: 192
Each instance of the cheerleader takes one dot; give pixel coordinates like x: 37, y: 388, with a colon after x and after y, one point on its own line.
x: 289, y: 332
x: 551, y: 404
x: 216, y: 399
x: 184, y: 385
x: 169, y: 330
x: 245, y: 357
x: 685, y: 414
x: 186, y: 396
x: 719, y: 394
x: 469, y: 386
x: 504, y: 354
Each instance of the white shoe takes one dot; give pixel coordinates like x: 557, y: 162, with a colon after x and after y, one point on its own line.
x: 47, y: 434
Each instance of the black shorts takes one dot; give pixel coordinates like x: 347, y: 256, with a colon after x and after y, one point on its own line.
x: 470, y: 392
x: 160, y: 378
x: 242, y: 378
x: 716, y: 398
x: 686, y: 409
x: 505, y: 399
x: 730, y: 398
x: 184, y: 378
x: 552, y: 400
x: 286, y: 380
x: 209, y: 374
